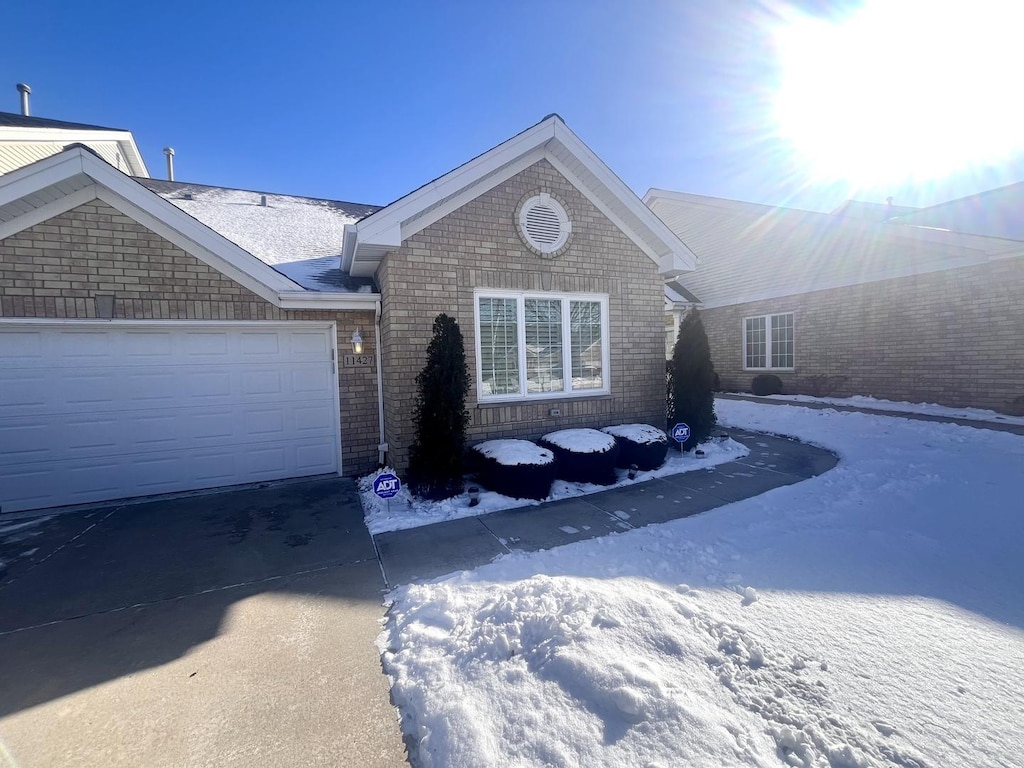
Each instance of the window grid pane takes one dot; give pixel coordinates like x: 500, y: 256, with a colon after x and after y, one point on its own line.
x: 756, y: 351
x: 499, y: 346
x: 544, y: 345
x: 585, y: 345
x: 782, y: 341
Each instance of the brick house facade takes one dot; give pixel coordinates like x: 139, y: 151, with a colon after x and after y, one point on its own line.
x: 477, y: 247
x: 88, y: 254
x: 951, y: 337
x: 54, y: 269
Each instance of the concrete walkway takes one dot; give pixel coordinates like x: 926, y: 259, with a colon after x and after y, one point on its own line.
x: 995, y: 426
x: 434, y: 550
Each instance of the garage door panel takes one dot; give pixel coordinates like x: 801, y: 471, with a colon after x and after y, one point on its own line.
x: 150, y: 411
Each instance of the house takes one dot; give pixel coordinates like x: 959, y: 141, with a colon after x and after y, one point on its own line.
x: 994, y: 212
x: 842, y: 306
x: 161, y: 337
x: 25, y: 139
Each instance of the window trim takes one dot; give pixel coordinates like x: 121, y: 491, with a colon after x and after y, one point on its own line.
x: 768, y: 342
x: 520, y: 298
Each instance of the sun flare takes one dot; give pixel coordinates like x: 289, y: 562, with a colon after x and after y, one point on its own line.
x: 902, y: 89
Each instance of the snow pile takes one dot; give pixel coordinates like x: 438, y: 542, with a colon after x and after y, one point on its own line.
x: 642, y: 434
x: 515, y: 452
x: 927, y: 409
x: 867, y: 617
x: 580, y: 440
x: 404, y: 511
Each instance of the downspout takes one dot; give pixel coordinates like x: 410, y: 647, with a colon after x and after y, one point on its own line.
x: 382, y: 446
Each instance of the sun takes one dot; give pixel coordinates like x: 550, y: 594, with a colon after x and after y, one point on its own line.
x: 902, y: 89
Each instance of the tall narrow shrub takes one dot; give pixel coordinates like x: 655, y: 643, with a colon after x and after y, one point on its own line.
x: 693, y: 380
x: 440, y: 415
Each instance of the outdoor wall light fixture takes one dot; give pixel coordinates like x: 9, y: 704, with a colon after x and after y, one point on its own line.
x: 357, y: 342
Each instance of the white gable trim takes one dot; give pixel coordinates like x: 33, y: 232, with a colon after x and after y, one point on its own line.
x: 163, y: 218
x: 389, y: 227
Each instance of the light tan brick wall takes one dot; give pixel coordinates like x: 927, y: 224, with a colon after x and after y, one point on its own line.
x: 954, y: 337
x: 478, y: 246
x: 55, y: 269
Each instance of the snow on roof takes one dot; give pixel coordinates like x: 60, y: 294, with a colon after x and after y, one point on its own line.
x: 301, y: 237
x: 580, y: 440
x: 642, y: 434
x: 514, y: 452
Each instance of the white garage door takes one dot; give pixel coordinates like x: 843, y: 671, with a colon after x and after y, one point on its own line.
x: 90, y: 412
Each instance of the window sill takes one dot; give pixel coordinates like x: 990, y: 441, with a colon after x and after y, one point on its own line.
x: 770, y: 370
x: 554, y: 398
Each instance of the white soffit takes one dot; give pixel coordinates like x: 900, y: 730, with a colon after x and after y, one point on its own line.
x: 550, y: 140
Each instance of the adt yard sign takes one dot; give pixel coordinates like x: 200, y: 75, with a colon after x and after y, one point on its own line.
x: 681, y: 432
x: 386, y: 485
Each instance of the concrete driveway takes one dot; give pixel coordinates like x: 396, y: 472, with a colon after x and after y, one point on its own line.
x: 227, y: 629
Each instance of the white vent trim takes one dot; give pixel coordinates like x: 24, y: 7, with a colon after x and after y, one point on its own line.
x: 544, y: 224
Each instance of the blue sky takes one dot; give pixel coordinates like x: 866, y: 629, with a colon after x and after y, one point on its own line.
x: 365, y: 102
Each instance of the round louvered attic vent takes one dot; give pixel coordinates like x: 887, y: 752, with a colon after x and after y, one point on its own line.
x: 544, y: 224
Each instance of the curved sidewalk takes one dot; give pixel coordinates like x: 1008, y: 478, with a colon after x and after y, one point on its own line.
x: 416, y: 554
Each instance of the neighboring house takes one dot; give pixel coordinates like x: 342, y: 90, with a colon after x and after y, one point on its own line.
x: 840, y: 306
x: 25, y: 139
x: 160, y: 336
x: 995, y: 212
x: 877, y: 212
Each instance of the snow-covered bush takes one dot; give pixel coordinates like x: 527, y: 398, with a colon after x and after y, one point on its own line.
x: 583, y: 455
x: 516, y: 468
x: 639, y: 444
x: 766, y: 384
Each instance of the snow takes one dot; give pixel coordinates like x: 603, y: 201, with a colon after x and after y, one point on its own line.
x: 642, y: 434
x: 30, y: 522
x: 870, y: 616
x: 581, y: 440
x: 300, y: 236
x: 927, y: 409
x: 405, y: 511
x: 515, y: 452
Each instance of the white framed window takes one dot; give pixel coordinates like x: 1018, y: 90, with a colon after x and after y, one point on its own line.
x: 540, y: 345
x: 768, y: 342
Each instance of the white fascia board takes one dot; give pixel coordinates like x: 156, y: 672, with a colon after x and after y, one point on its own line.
x: 406, y: 208
x: 618, y: 187
x: 342, y: 301
x: 411, y: 227
x: 48, y: 211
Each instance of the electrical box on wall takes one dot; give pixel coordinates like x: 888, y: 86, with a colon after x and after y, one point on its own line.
x: 554, y: 412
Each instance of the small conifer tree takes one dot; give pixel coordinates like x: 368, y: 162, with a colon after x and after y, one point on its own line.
x: 693, y: 380
x: 440, y: 415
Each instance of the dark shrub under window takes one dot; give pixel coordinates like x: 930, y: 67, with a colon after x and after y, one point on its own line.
x: 766, y: 384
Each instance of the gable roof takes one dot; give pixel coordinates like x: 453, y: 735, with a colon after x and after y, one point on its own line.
x: 300, y: 237
x: 369, y: 240
x: 25, y: 139
x: 748, y: 252
x: 995, y: 212
x: 49, y: 187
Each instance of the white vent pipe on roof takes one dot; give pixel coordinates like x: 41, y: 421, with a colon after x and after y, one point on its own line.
x: 169, y: 152
x: 25, y: 91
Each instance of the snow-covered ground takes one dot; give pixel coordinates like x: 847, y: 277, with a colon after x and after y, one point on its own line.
x: 870, y: 616
x: 927, y: 409
x: 404, y: 511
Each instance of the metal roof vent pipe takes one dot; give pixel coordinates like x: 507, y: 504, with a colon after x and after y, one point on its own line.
x: 169, y: 152
x: 25, y: 91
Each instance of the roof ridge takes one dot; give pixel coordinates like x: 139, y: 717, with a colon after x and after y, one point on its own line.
x: 148, y: 181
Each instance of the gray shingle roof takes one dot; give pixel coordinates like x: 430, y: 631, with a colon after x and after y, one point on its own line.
x: 15, y: 120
